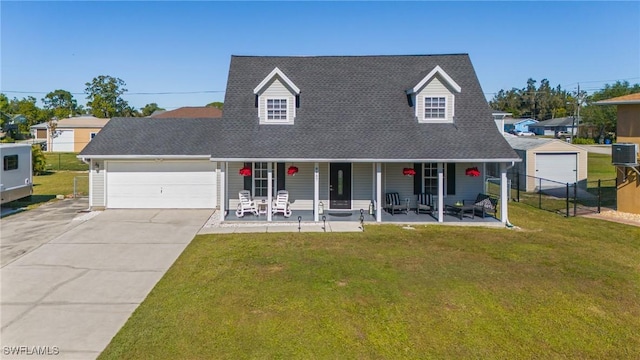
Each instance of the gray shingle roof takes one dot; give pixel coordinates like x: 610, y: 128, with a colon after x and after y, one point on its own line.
x: 355, y: 107
x: 564, y: 121
x: 351, y: 108
x: 151, y: 136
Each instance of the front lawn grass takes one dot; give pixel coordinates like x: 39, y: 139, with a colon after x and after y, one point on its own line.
x: 557, y: 288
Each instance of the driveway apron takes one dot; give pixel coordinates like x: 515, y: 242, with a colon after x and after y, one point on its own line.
x: 71, y: 295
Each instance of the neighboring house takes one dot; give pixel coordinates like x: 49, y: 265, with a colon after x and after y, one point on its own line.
x: 553, y: 126
x: 189, y: 112
x: 548, y: 163
x: 349, y: 124
x: 499, y: 117
x: 518, y: 124
x: 40, y: 131
x: 628, y: 133
x: 16, y: 175
x: 70, y: 134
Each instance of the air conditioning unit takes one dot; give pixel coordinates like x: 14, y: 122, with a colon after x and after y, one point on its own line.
x: 624, y: 154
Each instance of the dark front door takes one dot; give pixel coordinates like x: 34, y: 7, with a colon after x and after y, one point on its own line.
x: 340, y: 186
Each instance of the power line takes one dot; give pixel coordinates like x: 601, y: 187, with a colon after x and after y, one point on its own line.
x: 125, y: 94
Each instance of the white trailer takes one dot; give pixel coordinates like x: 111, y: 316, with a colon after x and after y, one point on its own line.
x: 16, y: 177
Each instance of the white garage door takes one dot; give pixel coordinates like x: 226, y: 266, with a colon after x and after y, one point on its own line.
x: 560, y: 168
x: 63, y: 141
x: 161, y: 184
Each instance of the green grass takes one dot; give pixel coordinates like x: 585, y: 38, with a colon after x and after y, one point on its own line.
x: 558, y: 288
x: 599, y: 167
x: 64, y: 161
x: 50, y: 184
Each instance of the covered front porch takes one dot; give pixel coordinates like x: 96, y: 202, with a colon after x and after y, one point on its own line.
x: 354, y: 216
x: 338, y: 191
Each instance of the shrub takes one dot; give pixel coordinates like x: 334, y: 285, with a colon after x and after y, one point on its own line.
x: 39, y: 162
x: 583, y: 141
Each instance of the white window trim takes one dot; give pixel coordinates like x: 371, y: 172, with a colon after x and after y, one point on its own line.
x: 424, y: 110
x: 254, y: 178
x: 94, y: 135
x: 265, y: 110
x: 444, y: 178
x: 449, y: 109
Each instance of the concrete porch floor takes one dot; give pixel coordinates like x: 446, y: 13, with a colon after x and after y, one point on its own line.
x: 335, y: 221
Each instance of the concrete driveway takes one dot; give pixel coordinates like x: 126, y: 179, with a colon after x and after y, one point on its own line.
x: 71, y: 295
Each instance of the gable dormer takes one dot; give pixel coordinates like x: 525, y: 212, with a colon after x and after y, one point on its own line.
x: 276, y: 99
x: 434, y: 97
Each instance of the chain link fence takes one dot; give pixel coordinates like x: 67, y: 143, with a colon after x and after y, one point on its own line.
x: 81, y: 186
x: 567, y: 199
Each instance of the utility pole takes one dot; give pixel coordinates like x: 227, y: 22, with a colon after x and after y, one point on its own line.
x: 578, y: 117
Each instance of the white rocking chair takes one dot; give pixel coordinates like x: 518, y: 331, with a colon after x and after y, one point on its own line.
x: 246, y: 205
x: 281, y: 204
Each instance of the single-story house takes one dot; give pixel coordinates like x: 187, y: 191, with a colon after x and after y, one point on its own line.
x: 518, y: 124
x: 553, y: 126
x: 188, y: 112
x: 548, y: 163
x: 69, y: 134
x: 40, y: 131
x: 625, y: 153
x: 337, y: 132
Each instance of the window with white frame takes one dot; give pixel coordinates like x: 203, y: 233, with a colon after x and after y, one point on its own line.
x: 430, y: 175
x: 260, y: 181
x: 435, y: 107
x: 277, y: 109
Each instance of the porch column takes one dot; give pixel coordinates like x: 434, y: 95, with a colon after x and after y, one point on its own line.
x: 222, y: 197
x: 373, y: 181
x: 440, y: 192
x: 316, y: 191
x: 269, y: 190
x: 484, y: 178
x: 378, y: 192
x: 504, y: 193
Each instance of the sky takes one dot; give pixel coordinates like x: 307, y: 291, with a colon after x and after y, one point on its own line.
x: 177, y: 53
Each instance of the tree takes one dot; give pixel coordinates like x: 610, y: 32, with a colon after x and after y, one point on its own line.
x: 61, y: 104
x: 216, y: 104
x: 606, y: 117
x: 105, y: 97
x: 150, y: 108
x: 32, y: 113
x: 540, y: 103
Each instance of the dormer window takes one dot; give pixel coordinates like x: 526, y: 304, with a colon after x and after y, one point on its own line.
x: 276, y: 110
x: 435, y: 107
x: 276, y: 99
x: 434, y: 97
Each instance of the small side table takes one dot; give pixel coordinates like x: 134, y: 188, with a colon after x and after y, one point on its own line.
x: 262, y: 207
x: 407, y: 202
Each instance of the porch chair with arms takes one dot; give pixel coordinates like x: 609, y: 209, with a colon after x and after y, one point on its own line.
x: 394, y: 203
x: 281, y: 204
x: 424, y: 203
x: 484, y: 204
x: 246, y: 205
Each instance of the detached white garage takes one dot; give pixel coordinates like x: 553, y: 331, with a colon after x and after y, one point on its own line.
x: 548, y: 163
x: 63, y: 140
x: 167, y: 184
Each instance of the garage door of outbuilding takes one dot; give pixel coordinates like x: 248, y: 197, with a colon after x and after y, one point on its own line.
x: 63, y: 140
x: 161, y: 184
x: 557, y: 167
